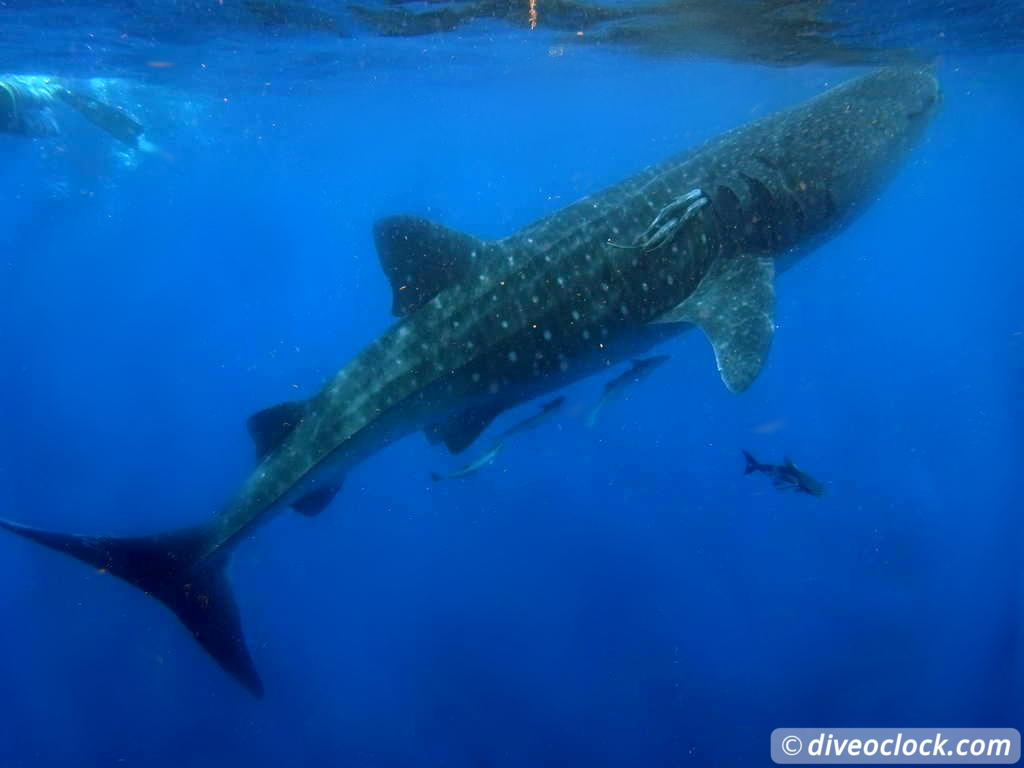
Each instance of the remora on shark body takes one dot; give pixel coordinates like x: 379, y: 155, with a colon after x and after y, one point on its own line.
x: 484, y: 326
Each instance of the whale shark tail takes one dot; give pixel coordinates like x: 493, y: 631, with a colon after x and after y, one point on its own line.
x: 170, y: 568
x: 753, y: 465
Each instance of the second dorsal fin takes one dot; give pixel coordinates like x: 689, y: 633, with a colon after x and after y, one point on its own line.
x: 421, y: 259
x: 270, y: 427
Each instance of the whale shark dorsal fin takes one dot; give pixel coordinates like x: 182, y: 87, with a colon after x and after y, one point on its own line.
x: 461, y: 429
x: 269, y: 428
x: 734, y: 305
x: 421, y: 259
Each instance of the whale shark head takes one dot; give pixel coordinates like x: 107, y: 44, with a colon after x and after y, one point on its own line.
x: 859, y: 133
x: 831, y: 156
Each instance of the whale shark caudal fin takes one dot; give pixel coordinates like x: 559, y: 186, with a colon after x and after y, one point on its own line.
x: 421, y: 259
x: 168, y: 567
x: 734, y: 305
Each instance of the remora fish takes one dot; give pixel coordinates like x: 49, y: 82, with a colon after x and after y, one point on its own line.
x: 785, y: 477
x: 694, y: 241
x: 484, y: 459
x: 639, y: 371
x: 481, y: 461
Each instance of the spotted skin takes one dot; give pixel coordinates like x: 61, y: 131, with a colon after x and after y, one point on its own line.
x: 547, y: 302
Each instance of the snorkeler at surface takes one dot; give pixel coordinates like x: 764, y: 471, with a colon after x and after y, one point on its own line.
x: 27, y: 109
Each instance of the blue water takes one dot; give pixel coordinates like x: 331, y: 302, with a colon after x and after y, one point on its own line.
x: 615, y: 596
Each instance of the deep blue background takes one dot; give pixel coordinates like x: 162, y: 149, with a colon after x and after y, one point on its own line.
x: 614, y: 596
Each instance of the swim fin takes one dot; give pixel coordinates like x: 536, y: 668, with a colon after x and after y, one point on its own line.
x: 111, y: 119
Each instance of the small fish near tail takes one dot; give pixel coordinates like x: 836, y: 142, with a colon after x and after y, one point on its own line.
x: 171, y: 568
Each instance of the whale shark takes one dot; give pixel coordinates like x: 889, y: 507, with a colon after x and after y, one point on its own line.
x: 483, y: 326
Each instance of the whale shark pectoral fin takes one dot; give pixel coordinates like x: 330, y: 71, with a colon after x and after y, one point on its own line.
x: 734, y: 305
x: 461, y: 429
x: 317, y: 501
x: 270, y: 427
x: 421, y: 259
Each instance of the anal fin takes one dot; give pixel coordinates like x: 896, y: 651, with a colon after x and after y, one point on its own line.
x: 317, y: 501
x: 734, y: 305
x: 461, y: 429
